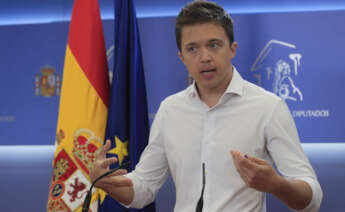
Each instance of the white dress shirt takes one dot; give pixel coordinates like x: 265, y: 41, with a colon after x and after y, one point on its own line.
x: 186, y: 133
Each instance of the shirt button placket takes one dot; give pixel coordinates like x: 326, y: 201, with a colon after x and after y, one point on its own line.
x: 205, y: 146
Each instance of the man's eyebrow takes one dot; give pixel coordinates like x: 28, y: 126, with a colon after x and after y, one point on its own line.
x: 215, y: 40
x: 190, y: 44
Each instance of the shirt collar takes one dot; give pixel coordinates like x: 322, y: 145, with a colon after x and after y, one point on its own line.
x: 235, y: 86
x: 192, y: 91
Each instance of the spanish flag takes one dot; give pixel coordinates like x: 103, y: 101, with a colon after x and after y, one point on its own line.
x: 83, y: 110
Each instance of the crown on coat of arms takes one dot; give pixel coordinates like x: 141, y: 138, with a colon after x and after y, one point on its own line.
x: 85, y: 148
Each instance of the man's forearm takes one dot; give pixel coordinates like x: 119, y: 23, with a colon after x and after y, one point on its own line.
x: 123, y: 195
x: 296, y: 194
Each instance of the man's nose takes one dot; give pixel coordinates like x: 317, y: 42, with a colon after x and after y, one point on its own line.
x: 205, y: 55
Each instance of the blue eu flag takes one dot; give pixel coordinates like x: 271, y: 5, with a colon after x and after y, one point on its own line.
x: 127, y: 124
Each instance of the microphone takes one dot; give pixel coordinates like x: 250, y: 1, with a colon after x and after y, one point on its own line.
x: 200, y: 204
x: 87, y: 199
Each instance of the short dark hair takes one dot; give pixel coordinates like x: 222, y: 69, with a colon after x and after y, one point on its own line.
x: 202, y: 11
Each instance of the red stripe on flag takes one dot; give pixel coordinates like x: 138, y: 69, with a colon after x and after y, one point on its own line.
x: 86, y: 41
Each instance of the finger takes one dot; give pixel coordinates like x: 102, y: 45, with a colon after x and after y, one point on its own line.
x: 245, y: 178
x: 104, y: 149
x: 247, y: 164
x: 242, y: 172
x: 249, y: 172
x: 119, y: 172
x: 246, y: 174
x: 243, y: 163
x: 257, y: 160
x: 107, y: 162
x: 237, y: 157
x: 235, y: 154
x: 244, y: 160
x: 234, y: 158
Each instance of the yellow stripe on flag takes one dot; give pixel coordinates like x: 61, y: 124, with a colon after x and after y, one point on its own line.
x: 80, y: 105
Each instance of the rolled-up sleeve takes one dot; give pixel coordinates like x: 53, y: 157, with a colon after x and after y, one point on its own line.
x: 315, y: 203
x: 284, y: 147
x: 152, y: 170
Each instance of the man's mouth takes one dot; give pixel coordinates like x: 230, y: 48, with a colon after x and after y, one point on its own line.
x: 207, y: 71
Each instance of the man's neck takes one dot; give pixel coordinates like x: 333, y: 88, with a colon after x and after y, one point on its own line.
x: 211, y: 96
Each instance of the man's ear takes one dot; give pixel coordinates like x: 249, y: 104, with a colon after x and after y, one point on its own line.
x: 180, y: 56
x: 233, y: 48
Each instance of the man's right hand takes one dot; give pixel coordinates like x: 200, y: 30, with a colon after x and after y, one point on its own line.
x: 101, y: 165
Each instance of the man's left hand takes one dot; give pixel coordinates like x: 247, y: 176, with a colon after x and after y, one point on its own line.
x: 256, y: 173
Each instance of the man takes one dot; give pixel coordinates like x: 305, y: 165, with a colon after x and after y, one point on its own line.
x: 214, y: 122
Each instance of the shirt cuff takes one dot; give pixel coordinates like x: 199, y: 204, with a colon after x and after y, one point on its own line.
x: 315, y: 202
x: 142, y: 196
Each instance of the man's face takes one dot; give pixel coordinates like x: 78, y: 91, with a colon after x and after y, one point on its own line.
x: 207, y: 54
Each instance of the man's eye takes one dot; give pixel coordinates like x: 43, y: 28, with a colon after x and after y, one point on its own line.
x: 214, y: 45
x: 191, y: 49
